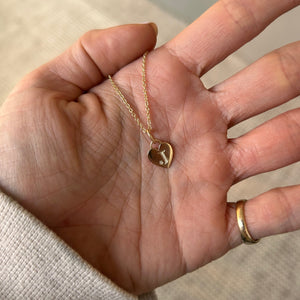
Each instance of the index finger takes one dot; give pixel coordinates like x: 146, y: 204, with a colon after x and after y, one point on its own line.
x: 224, y: 28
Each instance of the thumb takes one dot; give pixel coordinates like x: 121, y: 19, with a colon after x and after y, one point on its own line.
x: 95, y: 55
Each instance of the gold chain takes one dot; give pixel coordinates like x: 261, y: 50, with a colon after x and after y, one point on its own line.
x: 147, y: 107
x: 162, y: 154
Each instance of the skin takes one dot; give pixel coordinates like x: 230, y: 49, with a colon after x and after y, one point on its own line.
x: 72, y: 155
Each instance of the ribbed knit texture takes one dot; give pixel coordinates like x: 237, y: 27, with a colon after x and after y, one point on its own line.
x: 37, y: 264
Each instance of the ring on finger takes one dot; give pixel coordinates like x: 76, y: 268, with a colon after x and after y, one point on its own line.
x: 240, y: 215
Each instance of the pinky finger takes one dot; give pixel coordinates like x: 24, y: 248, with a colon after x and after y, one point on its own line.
x: 274, y: 212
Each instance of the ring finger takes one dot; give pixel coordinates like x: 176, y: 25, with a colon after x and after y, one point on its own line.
x: 274, y: 212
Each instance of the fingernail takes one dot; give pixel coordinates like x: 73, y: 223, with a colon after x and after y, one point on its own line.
x: 154, y: 26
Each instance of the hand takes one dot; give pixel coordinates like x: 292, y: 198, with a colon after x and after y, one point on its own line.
x: 72, y: 155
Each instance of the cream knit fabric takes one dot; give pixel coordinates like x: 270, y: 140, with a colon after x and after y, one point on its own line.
x: 37, y: 264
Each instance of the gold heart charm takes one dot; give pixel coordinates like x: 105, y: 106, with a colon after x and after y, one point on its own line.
x: 162, y: 156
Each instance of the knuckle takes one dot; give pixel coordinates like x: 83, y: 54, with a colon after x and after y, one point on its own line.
x: 289, y: 61
x: 290, y: 121
x: 241, y: 159
x: 241, y: 14
x: 286, y: 210
x: 100, y: 43
x: 89, y: 34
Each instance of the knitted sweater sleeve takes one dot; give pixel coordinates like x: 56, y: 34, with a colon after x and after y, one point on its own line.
x: 36, y: 264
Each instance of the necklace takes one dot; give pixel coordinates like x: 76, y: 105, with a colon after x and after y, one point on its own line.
x: 160, y: 153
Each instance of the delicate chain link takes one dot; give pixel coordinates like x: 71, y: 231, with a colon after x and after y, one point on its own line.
x: 130, y: 109
x: 128, y: 106
x: 147, y: 108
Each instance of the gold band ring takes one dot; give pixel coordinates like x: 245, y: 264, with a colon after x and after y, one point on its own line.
x: 245, y: 235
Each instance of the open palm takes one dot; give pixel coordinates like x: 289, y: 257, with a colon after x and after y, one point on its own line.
x: 73, y: 156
